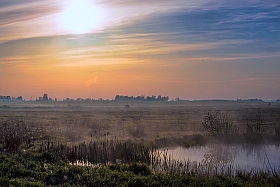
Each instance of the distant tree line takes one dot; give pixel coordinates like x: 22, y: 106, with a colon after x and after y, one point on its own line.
x: 260, y: 100
x: 44, y: 98
x: 19, y: 98
x: 141, y: 98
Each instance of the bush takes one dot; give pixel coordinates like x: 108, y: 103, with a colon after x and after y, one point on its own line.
x: 255, y: 130
x: 137, y: 182
x: 141, y: 169
x: 256, y: 127
x: 218, y: 124
x: 277, y: 133
x: 137, y: 132
x: 4, y: 181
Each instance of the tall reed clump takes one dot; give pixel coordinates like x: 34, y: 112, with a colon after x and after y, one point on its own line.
x: 106, y: 151
x: 163, y: 162
x: 15, y: 133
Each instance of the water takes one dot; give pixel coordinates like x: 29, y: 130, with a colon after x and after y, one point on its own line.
x: 243, y: 157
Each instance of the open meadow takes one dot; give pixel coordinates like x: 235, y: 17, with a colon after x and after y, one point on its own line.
x: 144, y: 121
x: 104, y: 143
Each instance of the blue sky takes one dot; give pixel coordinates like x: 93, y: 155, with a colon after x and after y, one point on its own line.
x: 187, y: 49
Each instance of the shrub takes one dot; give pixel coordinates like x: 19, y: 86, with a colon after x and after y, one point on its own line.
x: 277, y: 133
x: 256, y: 127
x: 218, y: 124
x: 4, y: 181
x: 255, y: 130
x: 137, y: 132
x: 141, y: 169
x: 137, y: 182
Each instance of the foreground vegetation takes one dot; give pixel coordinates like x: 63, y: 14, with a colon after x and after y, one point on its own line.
x: 44, y: 170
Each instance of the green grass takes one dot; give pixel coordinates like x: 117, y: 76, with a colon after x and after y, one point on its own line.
x: 33, y: 170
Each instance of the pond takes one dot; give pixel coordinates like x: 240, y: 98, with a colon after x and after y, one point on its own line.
x: 240, y: 157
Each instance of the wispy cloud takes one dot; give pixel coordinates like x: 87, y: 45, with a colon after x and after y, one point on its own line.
x: 160, y: 45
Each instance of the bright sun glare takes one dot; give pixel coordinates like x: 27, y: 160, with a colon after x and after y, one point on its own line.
x: 80, y: 16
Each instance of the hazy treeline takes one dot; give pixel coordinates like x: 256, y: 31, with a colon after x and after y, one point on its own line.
x: 19, y: 98
x: 45, y: 97
x: 142, y: 98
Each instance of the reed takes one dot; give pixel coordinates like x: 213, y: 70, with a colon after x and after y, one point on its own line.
x: 95, y: 153
x: 106, y: 151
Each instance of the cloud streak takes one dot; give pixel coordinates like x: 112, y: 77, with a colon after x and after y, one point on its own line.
x: 157, y: 45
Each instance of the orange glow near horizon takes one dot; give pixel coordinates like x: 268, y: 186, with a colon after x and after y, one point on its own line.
x: 98, y: 49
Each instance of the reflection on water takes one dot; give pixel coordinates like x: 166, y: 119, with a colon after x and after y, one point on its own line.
x: 217, y: 155
x: 245, y: 157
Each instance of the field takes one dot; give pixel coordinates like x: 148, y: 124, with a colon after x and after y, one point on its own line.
x: 77, y: 122
x: 74, y: 130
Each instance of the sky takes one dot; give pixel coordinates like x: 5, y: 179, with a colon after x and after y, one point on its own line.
x: 191, y: 49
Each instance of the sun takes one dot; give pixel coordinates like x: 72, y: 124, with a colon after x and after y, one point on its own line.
x: 80, y: 16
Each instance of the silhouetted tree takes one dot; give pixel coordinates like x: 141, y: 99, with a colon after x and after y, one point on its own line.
x: 19, y: 98
x: 45, y: 97
x: 142, y: 98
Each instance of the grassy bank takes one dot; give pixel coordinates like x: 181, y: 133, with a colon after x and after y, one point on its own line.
x: 35, y: 170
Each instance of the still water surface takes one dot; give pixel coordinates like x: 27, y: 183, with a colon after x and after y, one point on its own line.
x: 245, y: 157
